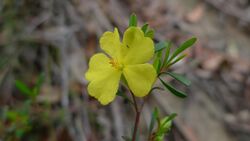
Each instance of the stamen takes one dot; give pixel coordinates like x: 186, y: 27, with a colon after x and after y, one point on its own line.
x: 114, y: 63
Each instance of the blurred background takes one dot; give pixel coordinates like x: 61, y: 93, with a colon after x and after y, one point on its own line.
x: 45, y: 46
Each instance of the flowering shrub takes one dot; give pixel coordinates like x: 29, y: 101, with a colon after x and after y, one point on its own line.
x: 127, y: 61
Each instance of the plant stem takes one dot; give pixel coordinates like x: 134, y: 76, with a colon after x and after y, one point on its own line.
x: 137, y: 118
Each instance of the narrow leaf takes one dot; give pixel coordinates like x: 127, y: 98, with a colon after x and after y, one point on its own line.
x: 167, y: 54
x: 150, y: 33
x: 133, y: 20
x: 179, y: 77
x: 183, y: 47
x: 157, y: 62
x: 23, y: 88
x: 165, y: 125
x: 154, y: 117
x: 144, y: 28
x: 159, y: 54
x: 161, y: 45
x: 176, y: 60
x: 168, y: 118
x: 173, y: 90
x: 157, y: 65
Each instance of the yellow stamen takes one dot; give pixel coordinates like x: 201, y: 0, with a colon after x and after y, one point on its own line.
x: 115, y: 64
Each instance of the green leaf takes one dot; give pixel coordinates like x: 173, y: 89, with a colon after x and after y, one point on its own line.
x: 150, y: 33
x: 160, y: 46
x: 173, y: 90
x: 11, y: 115
x: 23, y: 88
x: 166, y: 57
x: 179, y: 77
x: 159, y: 138
x: 165, y: 121
x: 154, y: 116
x: 157, y: 61
x: 133, y: 20
x: 157, y: 64
x: 183, y: 47
x: 165, y: 126
x: 176, y: 60
x: 144, y: 28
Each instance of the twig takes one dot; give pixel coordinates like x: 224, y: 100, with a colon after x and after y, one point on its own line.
x: 137, y: 118
x: 138, y: 114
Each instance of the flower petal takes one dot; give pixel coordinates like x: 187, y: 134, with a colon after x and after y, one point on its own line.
x: 104, y: 79
x: 140, y: 49
x: 105, y: 87
x: 110, y: 43
x: 140, y: 78
x: 98, y: 65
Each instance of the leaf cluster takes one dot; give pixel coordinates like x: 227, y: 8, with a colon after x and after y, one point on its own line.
x: 30, y: 92
x: 164, y: 59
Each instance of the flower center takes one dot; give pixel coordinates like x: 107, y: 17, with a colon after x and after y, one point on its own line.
x: 114, y: 63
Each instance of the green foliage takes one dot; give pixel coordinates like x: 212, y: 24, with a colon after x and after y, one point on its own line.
x: 133, y: 20
x: 179, y: 78
x: 154, y: 117
x: 144, y: 28
x: 20, y: 118
x: 172, y: 58
x: 157, y: 62
x: 162, y: 64
x: 19, y: 121
x: 167, y: 53
x: 161, y: 45
x: 173, y: 90
x: 23, y: 88
x: 176, y: 60
x: 30, y: 92
x: 150, y: 33
x: 162, y: 128
x: 183, y: 47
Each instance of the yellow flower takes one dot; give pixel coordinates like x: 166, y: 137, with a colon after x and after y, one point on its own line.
x: 127, y: 58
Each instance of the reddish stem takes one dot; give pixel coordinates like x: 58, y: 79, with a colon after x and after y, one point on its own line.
x: 137, y: 118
